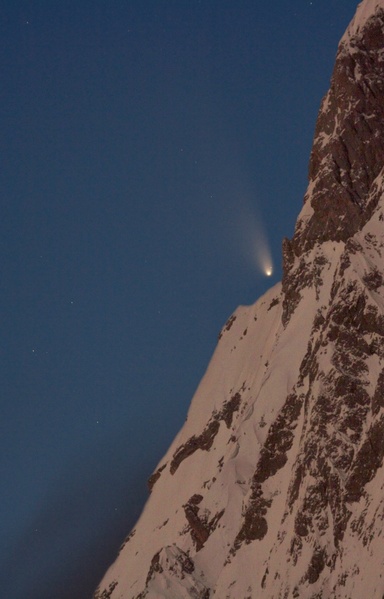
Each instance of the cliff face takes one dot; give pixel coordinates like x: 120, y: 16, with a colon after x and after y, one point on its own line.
x: 274, y: 487
x: 348, y: 149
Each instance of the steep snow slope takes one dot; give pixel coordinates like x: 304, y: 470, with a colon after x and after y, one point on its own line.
x: 274, y: 486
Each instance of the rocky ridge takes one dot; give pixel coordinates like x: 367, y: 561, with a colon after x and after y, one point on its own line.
x: 274, y: 486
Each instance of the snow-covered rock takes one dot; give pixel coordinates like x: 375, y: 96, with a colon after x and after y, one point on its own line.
x: 274, y: 487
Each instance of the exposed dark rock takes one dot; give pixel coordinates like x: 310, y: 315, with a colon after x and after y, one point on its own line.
x: 264, y: 579
x: 295, y: 548
x: 106, y: 593
x: 318, y: 321
x: 273, y: 455
x: 292, y: 286
x: 348, y: 364
x: 301, y: 275
x: 205, y: 440
x: 227, y: 326
x: 229, y: 408
x: 186, y: 563
x: 199, y: 530
x: 378, y: 397
x: 368, y: 460
x: 372, y: 321
x: 178, y: 565
x: 196, y: 499
x: 301, y: 525
x: 155, y: 477
x: 254, y: 525
x: 200, y: 526
x: 154, y: 567
x: 316, y: 566
x: 373, y: 280
x: 295, y: 484
x: 274, y: 302
x: 127, y: 539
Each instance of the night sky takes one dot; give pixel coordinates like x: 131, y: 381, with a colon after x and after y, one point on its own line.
x: 146, y: 148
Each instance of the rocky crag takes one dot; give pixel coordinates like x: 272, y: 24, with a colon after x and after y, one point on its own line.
x: 274, y: 487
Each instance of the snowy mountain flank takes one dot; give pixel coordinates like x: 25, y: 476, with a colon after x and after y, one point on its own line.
x: 274, y: 487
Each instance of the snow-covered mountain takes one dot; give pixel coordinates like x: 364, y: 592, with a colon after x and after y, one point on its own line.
x: 274, y: 487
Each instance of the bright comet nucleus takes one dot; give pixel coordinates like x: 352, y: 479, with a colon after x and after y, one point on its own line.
x: 254, y: 238
x: 261, y: 250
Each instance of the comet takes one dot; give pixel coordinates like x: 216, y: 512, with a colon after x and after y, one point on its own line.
x: 246, y: 232
x: 252, y: 237
x: 261, y: 252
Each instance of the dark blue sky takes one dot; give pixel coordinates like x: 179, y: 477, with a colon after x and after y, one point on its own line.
x: 136, y: 138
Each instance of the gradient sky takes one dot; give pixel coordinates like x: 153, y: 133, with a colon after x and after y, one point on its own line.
x: 145, y: 146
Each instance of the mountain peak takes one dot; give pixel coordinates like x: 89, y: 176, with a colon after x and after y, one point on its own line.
x: 365, y: 11
x: 274, y: 486
x: 344, y: 162
x: 347, y: 157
